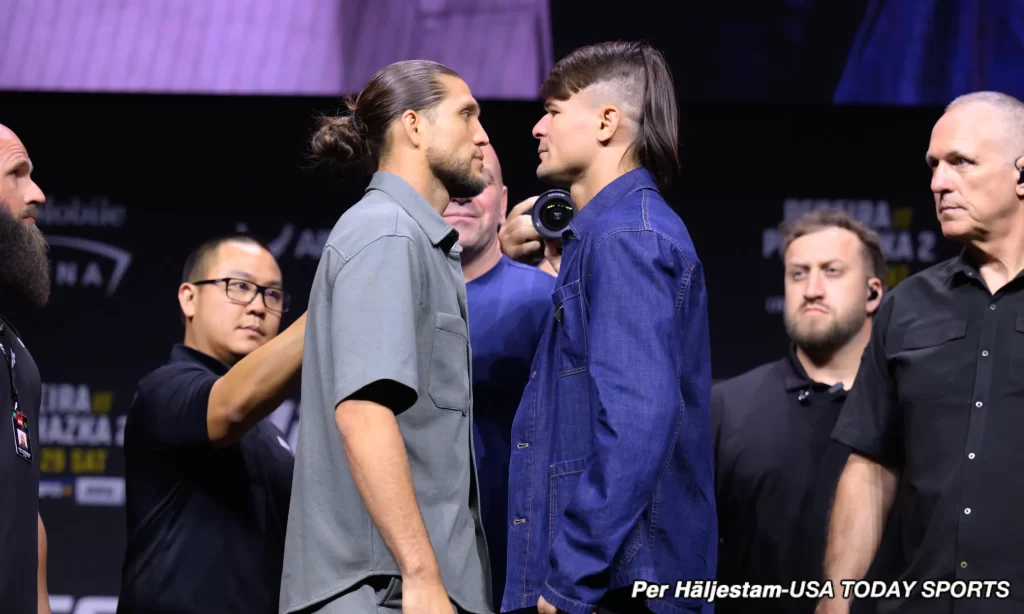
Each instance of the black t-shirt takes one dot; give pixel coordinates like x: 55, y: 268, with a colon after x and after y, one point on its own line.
x: 19, y: 476
x: 205, y: 526
x: 776, y: 474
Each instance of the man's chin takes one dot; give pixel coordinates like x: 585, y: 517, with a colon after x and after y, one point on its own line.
x: 247, y: 343
x: 957, y: 230
x: 553, y: 177
x: 466, y: 189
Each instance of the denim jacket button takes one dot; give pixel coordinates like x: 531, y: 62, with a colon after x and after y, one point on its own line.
x: 519, y: 521
x: 522, y: 444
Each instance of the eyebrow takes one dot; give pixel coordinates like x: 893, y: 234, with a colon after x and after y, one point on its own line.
x: 929, y: 159
x: 237, y: 274
x: 805, y: 265
x: 21, y: 163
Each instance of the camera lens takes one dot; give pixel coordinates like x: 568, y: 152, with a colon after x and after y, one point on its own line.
x: 552, y: 213
x: 556, y: 214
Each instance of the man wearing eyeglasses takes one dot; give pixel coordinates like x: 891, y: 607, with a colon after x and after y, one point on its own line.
x: 208, y: 479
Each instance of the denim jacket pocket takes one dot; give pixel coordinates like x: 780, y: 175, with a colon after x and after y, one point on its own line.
x: 565, y: 477
x: 449, y: 386
x: 571, y: 330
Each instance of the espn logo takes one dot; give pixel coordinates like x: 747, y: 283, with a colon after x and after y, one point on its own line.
x: 99, y: 491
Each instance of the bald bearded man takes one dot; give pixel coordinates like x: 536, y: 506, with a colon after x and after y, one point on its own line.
x: 24, y: 276
x: 507, y: 303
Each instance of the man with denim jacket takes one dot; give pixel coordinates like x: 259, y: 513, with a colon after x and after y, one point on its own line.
x: 611, y: 476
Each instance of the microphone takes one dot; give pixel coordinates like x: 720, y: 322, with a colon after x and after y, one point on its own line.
x: 837, y: 388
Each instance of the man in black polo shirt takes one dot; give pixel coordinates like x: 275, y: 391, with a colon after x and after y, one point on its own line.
x: 776, y: 469
x: 208, y: 479
x: 24, y: 275
x: 938, y: 404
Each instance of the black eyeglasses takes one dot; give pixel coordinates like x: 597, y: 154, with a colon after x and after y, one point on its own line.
x: 244, y: 291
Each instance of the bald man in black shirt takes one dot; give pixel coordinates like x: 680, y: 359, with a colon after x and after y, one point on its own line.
x: 776, y: 468
x: 936, y: 417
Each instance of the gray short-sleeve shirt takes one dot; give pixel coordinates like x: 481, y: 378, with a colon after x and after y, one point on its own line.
x: 388, y: 303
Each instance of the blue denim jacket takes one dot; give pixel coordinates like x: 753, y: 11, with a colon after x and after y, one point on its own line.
x: 611, y: 478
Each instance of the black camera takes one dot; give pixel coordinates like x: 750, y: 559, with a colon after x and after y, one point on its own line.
x: 552, y: 213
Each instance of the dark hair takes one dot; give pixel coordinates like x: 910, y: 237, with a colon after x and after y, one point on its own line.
x: 639, y: 72
x: 360, y: 137
x: 819, y: 219
x: 198, y: 262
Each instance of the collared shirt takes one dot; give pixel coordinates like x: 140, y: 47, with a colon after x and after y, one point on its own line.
x: 205, y: 525
x: 508, y: 308
x: 19, y: 477
x: 611, y: 476
x: 776, y: 471
x: 940, y: 398
x: 388, y: 304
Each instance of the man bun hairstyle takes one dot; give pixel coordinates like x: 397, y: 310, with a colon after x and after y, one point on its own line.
x: 641, y: 81
x: 360, y: 136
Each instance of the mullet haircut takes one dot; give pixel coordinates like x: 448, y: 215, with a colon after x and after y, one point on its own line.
x: 640, y: 81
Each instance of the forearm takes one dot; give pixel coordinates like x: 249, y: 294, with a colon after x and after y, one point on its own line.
x: 864, y: 497
x: 255, y: 386
x: 43, y: 605
x: 376, y: 456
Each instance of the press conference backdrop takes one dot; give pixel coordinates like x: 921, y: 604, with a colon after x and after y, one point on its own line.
x: 133, y: 183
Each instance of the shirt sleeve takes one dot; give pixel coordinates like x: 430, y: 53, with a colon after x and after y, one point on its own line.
x: 870, y: 421
x: 171, y: 409
x: 637, y: 332
x: 372, y: 325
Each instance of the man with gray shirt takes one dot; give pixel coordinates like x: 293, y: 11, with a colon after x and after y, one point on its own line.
x: 385, y: 518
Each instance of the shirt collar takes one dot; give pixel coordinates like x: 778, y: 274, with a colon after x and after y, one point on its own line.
x: 961, y: 267
x: 440, y: 233
x: 795, y: 377
x: 182, y: 353
x: 638, y: 179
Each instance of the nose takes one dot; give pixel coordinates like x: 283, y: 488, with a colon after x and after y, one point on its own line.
x: 540, y: 129
x: 258, y: 305
x: 480, y: 138
x: 815, y: 286
x: 34, y: 195
x: 942, y: 179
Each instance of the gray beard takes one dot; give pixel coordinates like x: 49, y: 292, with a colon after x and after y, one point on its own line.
x: 24, y: 266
